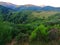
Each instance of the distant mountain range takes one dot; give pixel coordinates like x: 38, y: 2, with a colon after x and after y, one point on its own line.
x: 28, y: 7
x: 9, y: 5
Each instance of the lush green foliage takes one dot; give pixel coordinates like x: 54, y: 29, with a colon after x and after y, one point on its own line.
x: 29, y: 25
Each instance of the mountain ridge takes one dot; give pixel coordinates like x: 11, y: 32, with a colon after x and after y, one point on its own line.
x: 29, y: 7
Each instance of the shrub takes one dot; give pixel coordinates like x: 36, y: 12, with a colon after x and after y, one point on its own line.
x: 39, y: 32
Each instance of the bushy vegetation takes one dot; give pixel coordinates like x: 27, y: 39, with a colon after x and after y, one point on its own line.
x: 27, y: 26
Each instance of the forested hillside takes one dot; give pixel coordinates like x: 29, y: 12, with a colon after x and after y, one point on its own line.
x: 29, y: 27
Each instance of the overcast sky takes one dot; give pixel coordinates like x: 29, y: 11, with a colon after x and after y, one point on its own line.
x: 55, y: 3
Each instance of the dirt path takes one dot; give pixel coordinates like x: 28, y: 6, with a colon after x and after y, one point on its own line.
x: 12, y: 42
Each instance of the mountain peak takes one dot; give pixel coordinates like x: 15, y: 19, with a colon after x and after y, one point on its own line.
x: 7, y: 4
x: 28, y: 5
x: 42, y: 5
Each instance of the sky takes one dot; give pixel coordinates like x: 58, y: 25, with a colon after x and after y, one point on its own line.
x: 55, y: 3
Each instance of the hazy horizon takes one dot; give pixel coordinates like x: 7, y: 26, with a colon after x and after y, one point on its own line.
x: 54, y: 3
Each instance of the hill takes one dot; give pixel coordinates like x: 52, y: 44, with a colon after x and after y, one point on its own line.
x: 29, y: 7
x: 4, y: 10
x: 38, y: 8
x: 29, y: 25
x: 8, y: 5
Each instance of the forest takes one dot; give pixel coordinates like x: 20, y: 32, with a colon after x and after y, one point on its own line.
x: 29, y: 27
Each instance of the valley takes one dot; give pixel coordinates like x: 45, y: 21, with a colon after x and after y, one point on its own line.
x: 29, y: 25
